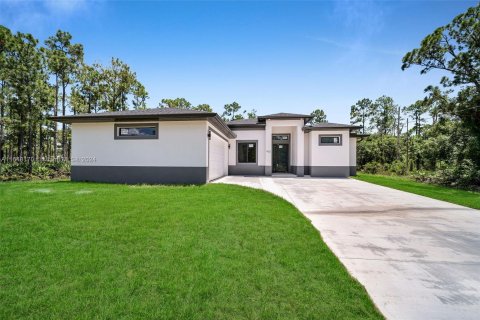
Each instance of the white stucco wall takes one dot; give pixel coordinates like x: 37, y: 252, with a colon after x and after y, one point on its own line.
x: 329, y: 155
x: 307, y: 149
x: 179, y: 144
x: 248, y: 135
x: 353, y: 152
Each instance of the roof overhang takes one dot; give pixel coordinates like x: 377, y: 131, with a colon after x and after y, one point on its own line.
x: 359, y: 135
x: 309, y: 128
x: 247, y: 127
x: 212, y: 118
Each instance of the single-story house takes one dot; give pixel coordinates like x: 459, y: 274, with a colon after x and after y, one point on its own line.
x: 188, y: 146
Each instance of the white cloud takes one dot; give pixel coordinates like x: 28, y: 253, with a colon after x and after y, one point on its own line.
x: 365, y: 17
x: 34, y: 15
x: 359, y: 46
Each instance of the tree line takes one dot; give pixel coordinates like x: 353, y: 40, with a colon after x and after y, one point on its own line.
x: 50, y: 79
x: 437, y: 137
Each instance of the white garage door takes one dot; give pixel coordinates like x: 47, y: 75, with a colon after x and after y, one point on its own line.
x: 217, y: 157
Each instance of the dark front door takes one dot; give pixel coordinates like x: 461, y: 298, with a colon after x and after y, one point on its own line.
x: 280, y: 158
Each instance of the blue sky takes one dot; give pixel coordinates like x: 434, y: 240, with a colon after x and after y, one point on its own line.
x: 271, y: 56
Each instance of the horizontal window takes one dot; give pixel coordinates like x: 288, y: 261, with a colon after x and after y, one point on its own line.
x: 280, y: 137
x: 333, y: 140
x: 247, y: 152
x: 144, y: 131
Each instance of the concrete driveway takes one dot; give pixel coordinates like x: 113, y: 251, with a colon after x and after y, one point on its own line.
x: 417, y: 257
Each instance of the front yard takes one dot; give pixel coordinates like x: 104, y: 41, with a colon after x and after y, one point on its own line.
x: 84, y: 251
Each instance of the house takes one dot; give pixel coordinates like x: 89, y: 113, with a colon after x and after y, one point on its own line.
x: 177, y: 146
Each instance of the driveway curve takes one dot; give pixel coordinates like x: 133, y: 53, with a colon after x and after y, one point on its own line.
x: 417, y: 257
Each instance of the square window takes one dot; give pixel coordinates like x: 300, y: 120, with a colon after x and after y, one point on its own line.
x: 247, y: 152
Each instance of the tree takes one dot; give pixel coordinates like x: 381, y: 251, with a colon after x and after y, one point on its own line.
x: 64, y: 59
x: 5, y: 42
x: 318, y: 116
x: 140, y: 96
x: 203, y: 107
x: 232, y: 112
x: 178, y: 103
x: 383, y: 115
x: 437, y: 103
x: 455, y: 48
x: 88, y: 91
x: 252, y: 114
x: 27, y: 79
x: 119, y: 83
x: 360, y: 113
x: 416, y: 112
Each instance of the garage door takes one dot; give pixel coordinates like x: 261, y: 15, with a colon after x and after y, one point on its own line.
x: 217, y: 157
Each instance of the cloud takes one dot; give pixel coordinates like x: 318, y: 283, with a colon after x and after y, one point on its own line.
x: 359, y: 46
x: 366, y: 17
x: 31, y: 15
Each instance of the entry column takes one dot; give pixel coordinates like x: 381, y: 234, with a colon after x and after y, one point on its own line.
x: 268, y: 148
x: 300, y: 147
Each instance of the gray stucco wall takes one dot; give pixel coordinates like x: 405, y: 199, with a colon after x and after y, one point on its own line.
x: 329, y: 171
x: 246, y: 170
x: 134, y: 175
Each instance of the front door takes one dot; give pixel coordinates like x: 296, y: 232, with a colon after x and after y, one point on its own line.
x: 280, y: 158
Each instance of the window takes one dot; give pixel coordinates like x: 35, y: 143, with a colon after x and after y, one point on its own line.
x: 247, y: 152
x: 330, y: 140
x: 136, y: 131
x: 280, y: 137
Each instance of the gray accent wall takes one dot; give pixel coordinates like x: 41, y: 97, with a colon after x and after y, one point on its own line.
x: 353, y: 170
x: 246, y: 169
x: 298, y: 170
x: 135, y: 175
x: 268, y: 170
x: 329, y: 171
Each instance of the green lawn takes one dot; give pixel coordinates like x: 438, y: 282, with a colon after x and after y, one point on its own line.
x: 84, y: 251
x: 465, y: 198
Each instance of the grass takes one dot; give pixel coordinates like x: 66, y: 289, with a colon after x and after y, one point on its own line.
x: 84, y: 251
x: 462, y: 197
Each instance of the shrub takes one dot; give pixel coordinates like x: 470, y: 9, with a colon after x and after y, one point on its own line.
x: 373, y: 168
x: 40, y: 170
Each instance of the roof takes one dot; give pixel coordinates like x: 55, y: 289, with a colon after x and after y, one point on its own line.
x: 149, y: 114
x: 246, y: 124
x: 284, y: 115
x: 135, y: 113
x: 329, y: 125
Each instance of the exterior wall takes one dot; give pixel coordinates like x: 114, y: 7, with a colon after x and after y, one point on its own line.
x: 329, y: 161
x: 235, y: 168
x: 353, y: 156
x: 179, y: 155
x: 306, y: 138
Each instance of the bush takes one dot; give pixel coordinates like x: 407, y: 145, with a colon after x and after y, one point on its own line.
x: 373, y: 168
x: 464, y: 174
x: 40, y: 170
x: 397, y: 167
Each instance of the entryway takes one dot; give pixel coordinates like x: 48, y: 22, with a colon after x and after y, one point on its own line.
x: 280, y: 153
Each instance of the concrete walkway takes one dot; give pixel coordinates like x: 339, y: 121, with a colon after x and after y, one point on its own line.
x: 418, y: 258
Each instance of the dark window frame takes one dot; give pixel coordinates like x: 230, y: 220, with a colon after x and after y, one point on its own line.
x: 320, y: 143
x: 118, y: 126
x: 256, y: 151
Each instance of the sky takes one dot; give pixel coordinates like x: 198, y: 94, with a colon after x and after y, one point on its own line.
x: 272, y: 56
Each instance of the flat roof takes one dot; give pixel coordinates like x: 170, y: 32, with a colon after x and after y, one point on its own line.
x: 149, y: 114
x: 285, y: 115
x: 329, y: 125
